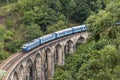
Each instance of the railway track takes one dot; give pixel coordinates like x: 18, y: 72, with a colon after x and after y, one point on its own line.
x: 7, y: 64
x: 10, y: 61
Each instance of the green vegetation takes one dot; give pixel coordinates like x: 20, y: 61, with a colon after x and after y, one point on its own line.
x: 2, y: 74
x: 98, y: 59
x: 24, y: 20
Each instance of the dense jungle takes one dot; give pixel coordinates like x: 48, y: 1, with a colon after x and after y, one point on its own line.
x: 97, y: 59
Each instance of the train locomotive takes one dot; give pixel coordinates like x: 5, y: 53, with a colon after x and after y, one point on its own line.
x: 44, y: 39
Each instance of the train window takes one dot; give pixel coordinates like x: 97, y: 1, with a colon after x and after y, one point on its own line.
x: 68, y: 31
x: 30, y: 41
x: 60, y: 33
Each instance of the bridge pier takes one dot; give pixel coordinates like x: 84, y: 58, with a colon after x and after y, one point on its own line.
x: 29, y: 70
x: 38, y: 63
x: 15, y: 76
x: 59, y: 55
x: 21, y: 73
x: 50, y: 64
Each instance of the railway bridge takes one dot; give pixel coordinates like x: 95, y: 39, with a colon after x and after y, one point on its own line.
x: 39, y: 63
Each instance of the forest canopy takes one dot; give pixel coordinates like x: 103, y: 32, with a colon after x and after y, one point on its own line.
x: 29, y: 19
x: 98, y: 59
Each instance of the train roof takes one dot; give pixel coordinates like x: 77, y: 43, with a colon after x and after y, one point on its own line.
x: 30, y: 42
x: 79, y: 26
x: 63, y: 30
x: 47, y: 35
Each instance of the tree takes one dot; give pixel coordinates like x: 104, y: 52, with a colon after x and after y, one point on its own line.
x: 68, y: 8
x: 33, y: 31
x: 3, y: 54
x: 56, y: 27
x: 2, y: 74
x: 104, y: 18
x: 55, y: 5
x: 2, y: 31
x: 42, y: 16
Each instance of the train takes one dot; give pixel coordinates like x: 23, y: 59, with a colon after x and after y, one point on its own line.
x: 49, y: 37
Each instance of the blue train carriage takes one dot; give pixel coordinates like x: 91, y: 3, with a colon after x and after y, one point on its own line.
x: 30, y: 45
x: 79, y: 28
x: 47, y: 38
x: 63, y: 32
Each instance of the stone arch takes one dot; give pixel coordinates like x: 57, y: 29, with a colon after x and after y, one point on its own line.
x: 59, y: 55
x: 81, y: 39
x: 21, y: 73
x: 15, y: 76
x: 29, y: 70
x: 69, y: 47
x: 49, y: 64
x: 38, y: 67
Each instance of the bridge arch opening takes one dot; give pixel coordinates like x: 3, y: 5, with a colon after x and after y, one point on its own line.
x: 80, y: 40
x: 21, y: 73
x: 69, y: 47
x: 29, y: 70
x: 15, y: 76
x: 38, y: 67
x: 58, y: 56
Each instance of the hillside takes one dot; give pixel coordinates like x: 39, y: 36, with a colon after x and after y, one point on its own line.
x: 24, y: 20
x: 98, y: 59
